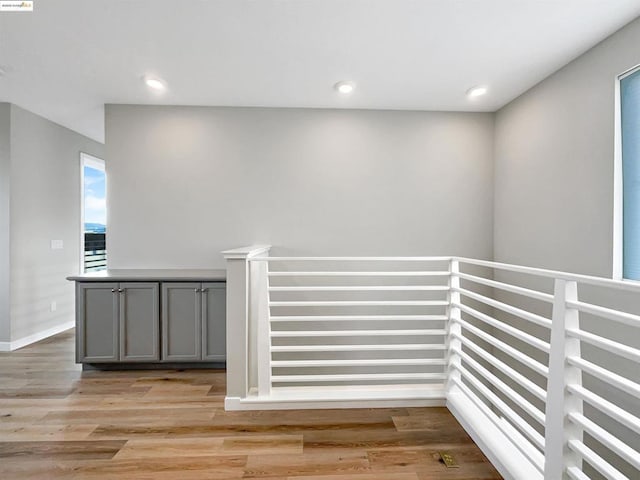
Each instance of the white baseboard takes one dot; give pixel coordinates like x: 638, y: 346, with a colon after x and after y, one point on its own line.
x: 300, y: 398
x: 36, y: 337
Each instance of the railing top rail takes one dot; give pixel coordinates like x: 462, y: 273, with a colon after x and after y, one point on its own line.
x: 540, y: 272
x: 555, y: 274
x: 350, y: 259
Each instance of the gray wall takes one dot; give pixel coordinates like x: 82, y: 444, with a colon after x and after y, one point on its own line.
x: 45, y: 206
x: 5, y: 171
x: 185, y: 183
x: 554, y: 164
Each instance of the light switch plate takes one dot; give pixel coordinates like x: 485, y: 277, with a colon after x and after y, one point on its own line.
x: 57, y: 244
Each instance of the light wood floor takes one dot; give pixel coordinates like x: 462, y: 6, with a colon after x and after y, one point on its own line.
x: 58, y: 422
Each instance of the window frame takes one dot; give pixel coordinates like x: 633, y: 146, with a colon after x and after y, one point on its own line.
x: 618, y: 182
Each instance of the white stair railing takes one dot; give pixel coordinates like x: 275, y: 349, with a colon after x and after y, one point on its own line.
x: 544, y: 381
x: 323, y: 338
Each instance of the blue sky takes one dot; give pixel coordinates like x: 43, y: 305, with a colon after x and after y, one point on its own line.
x: 95, y: 204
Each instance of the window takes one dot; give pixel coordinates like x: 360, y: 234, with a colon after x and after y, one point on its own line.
x: 93, y: 254
x: 630, y: 153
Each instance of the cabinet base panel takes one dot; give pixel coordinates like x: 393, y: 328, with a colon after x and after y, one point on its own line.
x: 153, y: 366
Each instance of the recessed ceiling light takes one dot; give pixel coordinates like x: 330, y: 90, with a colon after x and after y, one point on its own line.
x: 155, y: 83
x: 478, y: 91
x: 345, y: 87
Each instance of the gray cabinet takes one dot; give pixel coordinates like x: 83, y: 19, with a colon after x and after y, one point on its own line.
x: 96, y: 322
x: 193, y: 321
x: 139, y: 322
x: 117, y: 322
x: 214, y: 322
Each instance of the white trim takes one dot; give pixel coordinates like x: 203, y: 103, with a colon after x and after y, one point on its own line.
x: 36, y: 337
x: 618, y: 190
x: 617, y: 186
x: 92, y: 161
x: 245, y: 252
x: 237, y: 403
x: 352, y: 396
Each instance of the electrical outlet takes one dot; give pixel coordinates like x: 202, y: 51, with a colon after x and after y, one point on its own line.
x: 54, y: 306
x: 57, y: 244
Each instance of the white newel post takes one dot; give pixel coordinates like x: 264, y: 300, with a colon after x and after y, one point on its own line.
x: 454, y: 328
x: 238, y: 298
x: 559, y: 402
x: 261, y: 301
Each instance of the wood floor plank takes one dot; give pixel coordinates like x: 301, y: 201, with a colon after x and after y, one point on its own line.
x: 132, y: 415
x: 211, y: 446
x: 379, y: 438
x: 36, y: 392
x: 170, y: 448
x: 259, y: 466
x: 182, y: 468
x: 35, y: 469
x: 177, y: 390
x: 359, y: 476
x: 69, y: 450
x: 24, y: 433
x: 264, y: 444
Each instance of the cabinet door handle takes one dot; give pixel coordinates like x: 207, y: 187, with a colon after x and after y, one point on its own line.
x: 196, y: 290
x: 204, y: 290
x: 113, y: 290
x: 120, y: 290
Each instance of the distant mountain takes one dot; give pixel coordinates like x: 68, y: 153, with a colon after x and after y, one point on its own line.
x: 95, y: 228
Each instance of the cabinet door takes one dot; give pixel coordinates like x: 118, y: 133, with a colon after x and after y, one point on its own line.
x: 97, y: 322
x: 214, y: 321
x: 139, y: 322
x: 181, y: 325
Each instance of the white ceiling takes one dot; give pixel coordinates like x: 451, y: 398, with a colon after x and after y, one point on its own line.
x: 68, y: 58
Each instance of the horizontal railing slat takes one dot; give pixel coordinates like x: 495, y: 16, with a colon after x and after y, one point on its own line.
x: 596, y: 431
x: 357, y: 348
x: 610, y: 346
x: 508, y: 349
x: 359, y: 303
x: 377, y: 288
x: 342, y: 318
x: 503, y: 388
x: 608, y: 313
x: 618, y: 381
x: 357, y: 363
x: 356, y: 377
x: 518, y: 312
x: 410, y: 273
x: 504, y: 368
x: 606, y: 407
x: 355, y: 333
x: 545, y: 297
x: 576, y: 474
x: 514, y: 332
x: 596, y: 461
